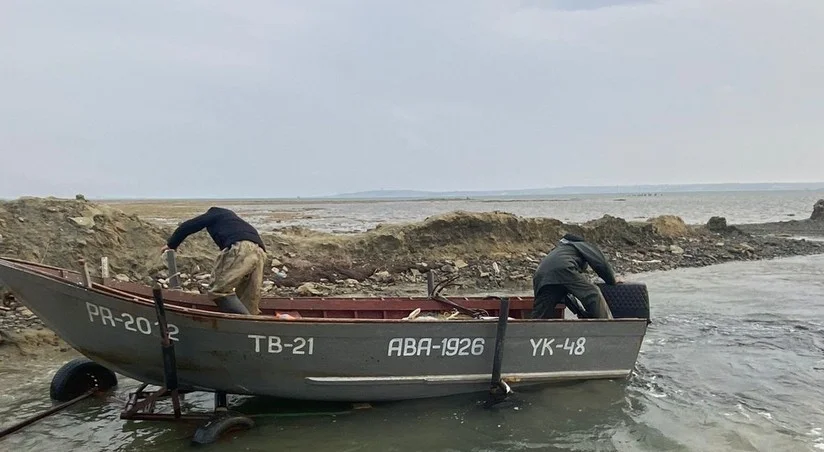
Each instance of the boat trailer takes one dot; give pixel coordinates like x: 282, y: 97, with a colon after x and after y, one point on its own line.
x: 82, y: 377
x: 141, y: 405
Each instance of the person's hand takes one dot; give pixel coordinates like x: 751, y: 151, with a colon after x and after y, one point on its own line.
x: 164, y: 249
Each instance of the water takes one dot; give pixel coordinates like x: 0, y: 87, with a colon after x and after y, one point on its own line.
x: 693, y: 208
x: 733, y: 362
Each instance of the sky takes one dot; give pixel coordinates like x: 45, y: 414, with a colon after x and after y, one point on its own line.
x: 265, y: 98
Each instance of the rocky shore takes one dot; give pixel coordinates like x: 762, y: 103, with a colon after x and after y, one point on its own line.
x: 487, y: 252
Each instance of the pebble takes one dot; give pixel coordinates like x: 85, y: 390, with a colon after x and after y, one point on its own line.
x: 382, y: 276
x: 309, y: 289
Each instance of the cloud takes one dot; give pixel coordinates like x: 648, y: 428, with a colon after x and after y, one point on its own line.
x: 274, y: 98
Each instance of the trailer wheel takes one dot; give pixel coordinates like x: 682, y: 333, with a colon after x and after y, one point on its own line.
x: 78, y: 376
x: 222, y: 423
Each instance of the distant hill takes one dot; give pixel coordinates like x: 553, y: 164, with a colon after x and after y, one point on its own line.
x: 577, y: 190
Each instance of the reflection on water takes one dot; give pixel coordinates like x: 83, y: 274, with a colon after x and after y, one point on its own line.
x: 733, y: 361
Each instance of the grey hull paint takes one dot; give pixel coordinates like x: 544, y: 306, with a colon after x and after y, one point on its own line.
x: 333, y: 360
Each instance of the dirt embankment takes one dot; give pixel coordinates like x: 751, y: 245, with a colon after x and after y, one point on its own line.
x: 487, y: 251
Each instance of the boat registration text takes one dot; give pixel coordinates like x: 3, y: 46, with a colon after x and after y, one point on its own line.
x: 427, y: 346
x: 134, y: 323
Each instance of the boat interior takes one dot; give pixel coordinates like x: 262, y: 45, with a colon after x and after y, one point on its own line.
x: 376, y: 307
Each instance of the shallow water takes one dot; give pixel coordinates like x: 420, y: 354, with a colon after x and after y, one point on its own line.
x: 693, y: 208
x: 734, y: 361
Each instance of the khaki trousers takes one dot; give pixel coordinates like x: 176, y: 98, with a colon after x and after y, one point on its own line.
x: 239, y: 269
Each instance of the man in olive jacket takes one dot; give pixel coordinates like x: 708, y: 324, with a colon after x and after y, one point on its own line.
x: 561, y: 272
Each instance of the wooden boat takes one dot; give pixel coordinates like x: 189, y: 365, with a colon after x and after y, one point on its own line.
x: 330, y: 349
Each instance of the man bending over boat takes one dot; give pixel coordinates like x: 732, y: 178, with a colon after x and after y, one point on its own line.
x: 239, y: 266
x: 562, y: 272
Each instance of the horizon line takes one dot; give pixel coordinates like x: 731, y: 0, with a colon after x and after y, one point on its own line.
x: 448, y: 194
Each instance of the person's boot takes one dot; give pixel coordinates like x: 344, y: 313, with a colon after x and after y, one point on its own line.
x: 231, y: 304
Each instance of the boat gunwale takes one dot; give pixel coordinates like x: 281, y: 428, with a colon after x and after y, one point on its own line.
x: 197, y: 314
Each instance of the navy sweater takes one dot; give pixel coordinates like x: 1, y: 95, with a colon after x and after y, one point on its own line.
x: 223, y: 225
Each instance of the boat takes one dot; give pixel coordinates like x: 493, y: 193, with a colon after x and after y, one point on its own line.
x: 328, y: 348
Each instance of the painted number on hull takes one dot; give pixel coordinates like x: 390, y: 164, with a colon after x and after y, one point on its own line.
x: 274, y: 344
x: 545, y: 346
x: 426, y: 346
x: 130, y: 322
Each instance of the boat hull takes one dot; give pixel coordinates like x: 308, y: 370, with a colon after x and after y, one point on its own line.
x: 323, y: 359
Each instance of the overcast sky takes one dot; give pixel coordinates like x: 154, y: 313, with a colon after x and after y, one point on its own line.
x: 263, y: 98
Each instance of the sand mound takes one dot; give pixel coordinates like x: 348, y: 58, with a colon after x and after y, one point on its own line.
x: 60, y: 232
x: 669, y: 226
x: 464, y: 233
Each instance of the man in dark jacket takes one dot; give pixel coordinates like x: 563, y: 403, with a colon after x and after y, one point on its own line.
x: 561, y: 272
x: 237, y: 277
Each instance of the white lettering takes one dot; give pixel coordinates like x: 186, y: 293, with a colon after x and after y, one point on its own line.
x: 573, y: 346
x: 579, y: 346
x: 276, y: 344
x: 257, y: 339
x: 409, y: 347
x: 173, y: 330
x: 395, y: 346
x: 143, y: 325
x: 535, y: 345
x: 299, y: 348
x: 92, y: 310
x: 464, y: 344
x: 478, y: 346
x: 106, y: 315
x: 547, y: 346
x: 426, y: 346
x: 129, y: 323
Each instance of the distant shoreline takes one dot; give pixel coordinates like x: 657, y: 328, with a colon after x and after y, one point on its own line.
x: 387, y: 199
x: 561, y: 193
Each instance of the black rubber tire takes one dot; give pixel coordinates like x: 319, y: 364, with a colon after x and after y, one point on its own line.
x: 220, y: 424
x: 627, y: 300
x: 78, y: 376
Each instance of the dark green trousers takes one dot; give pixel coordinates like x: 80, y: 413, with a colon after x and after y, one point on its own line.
x: 587, y: 292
